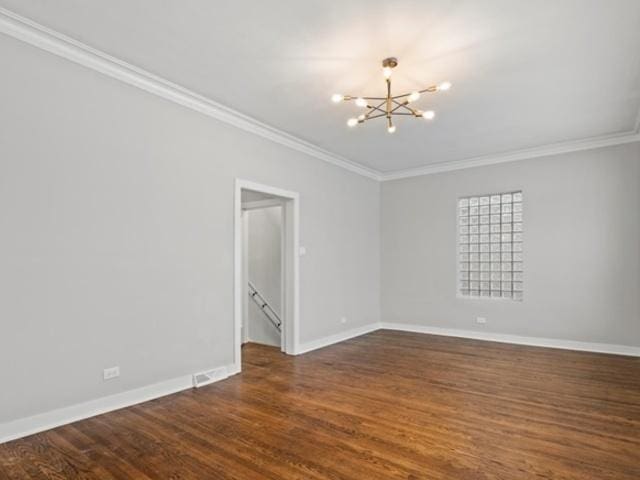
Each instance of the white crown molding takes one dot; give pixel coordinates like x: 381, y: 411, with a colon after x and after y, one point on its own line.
x: 54, y: 42
x: 526, y: 154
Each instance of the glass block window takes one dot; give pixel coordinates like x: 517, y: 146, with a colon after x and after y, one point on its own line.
x: 490, y: 233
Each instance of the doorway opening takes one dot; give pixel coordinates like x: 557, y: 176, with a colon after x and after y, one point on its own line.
x: 266, y: 267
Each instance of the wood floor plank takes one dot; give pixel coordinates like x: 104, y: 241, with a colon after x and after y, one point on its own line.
x: 384, y: 406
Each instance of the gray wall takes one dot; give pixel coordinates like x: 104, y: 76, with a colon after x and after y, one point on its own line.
x: 581, y: 250
x: 116, y: 235
x: 265, y: 271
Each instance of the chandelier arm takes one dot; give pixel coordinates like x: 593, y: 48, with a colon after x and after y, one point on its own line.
x: 379, y: 115
x: 376, y: 107
x: 403, y: 113
x: 404, y: 105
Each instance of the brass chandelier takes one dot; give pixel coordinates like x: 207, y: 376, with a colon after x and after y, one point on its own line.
x: 390, y: 105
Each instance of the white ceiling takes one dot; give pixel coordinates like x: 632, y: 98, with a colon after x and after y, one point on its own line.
x: 526, y: 73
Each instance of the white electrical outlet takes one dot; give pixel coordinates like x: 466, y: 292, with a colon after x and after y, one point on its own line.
x: 110, y: 373
x: 481, y: 320
x: 343, y: 320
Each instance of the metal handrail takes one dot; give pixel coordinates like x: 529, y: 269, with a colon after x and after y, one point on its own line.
x: 263, y: 304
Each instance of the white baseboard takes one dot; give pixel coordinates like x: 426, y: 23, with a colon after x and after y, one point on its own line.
x: 45, y: 421
x: 516, y: 339
x: 337, y: 338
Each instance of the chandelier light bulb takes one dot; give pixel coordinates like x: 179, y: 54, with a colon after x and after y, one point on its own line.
x: 361, y: 102
x: 391, y: 128
x: 444, y: 86
x: 361, y: 118
x: 352, y: 122
x: 386, y: 71
x: 429, y: 114
x: 337, y: 98
x: 413, y: 97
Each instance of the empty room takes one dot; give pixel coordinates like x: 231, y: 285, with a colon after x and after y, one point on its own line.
x: 320, y: 240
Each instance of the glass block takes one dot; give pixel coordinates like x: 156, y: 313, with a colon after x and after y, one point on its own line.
x: 506, y: 218
x: 517, y: 286
x: 464, y: 266
x: 464, y: 221
x: 474, y: 257
x: 517, y: 207
x: 506, y: 266
x: 464, y: 292
x: 464, y: 248
x: 495, y: 276
x: 495, y: 286
x: 484, y: 210
x: 464, y: 257
x: 506, y: 286
x: 506, y: 237
x: 474, y: 275
x: 484, y: 285
x: 474, y: 266
x: 485, y: 276
x: 474, y: 247
x: 463, y: 211
x: 474, y: 285
x: 495, y: 228
x: 484, y: 247
x: 517, y: 217
x: 518, y: 276
x: 517, y: 237
x: 485, y: 257
x: 495, y: 247
x: 485, y: 293
x: 464, y: 239
x: 495, y: 237
x: 484, y: 219
x: 507, y: 198
x: 517, y: 247
x: 506, y: 208
x: 474, y: 293
x: 496, y: 293
x: 517, y: 296
x: 473, y: 201
x: 464, y: 230
x: 517, y: 256
x: 506, y: 294
x: 473, y: 220
x: 495, y: 209
x: 484, y: 200
x: 464, y: 275
x: 507, y: 276
x: 506, y: 247
x: 495, y: 199
x: 517, y: 197
x: 484, y: 267
x: 495, y: 266
x: 495, y: 218
x: 517, y: 266
x: 517, y: 227
x: 484, y: 228
x: 506, y: 227
x: 474, y: 229
x: 463, y: 202
x: 464, y: 285
x: 472, y: 239
x: 474, y: 211
x: 484, y: 238
x: 495, y: 257
x: 506, y: 257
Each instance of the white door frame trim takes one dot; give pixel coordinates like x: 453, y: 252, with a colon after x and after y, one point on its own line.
x: 291, y: 263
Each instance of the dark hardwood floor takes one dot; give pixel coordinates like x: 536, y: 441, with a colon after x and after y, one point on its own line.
x: 387, y: 405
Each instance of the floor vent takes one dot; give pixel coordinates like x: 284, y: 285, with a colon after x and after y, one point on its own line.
x: 205, y: 378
